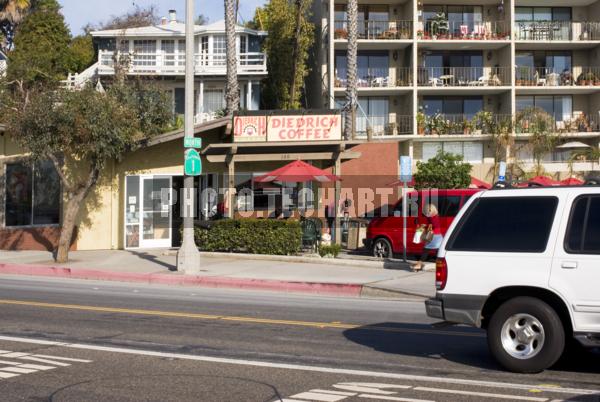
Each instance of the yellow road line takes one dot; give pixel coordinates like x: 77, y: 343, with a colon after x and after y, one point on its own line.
x: 253, y: 320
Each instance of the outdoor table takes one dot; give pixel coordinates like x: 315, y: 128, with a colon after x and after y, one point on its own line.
x: 447, y: 80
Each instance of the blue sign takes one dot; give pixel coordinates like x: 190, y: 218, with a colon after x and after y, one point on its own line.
x: 502, y: 171
x: 405, y: 168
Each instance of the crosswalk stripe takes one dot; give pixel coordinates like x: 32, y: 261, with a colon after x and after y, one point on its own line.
x: 68, y: 359
x: 482, y: 394
x: 7, y: 375
x: 37, y: 359
x: 37, y: 367
x: 17, y: 370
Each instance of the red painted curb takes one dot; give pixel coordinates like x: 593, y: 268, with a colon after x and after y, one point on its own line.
x: 337, y: 289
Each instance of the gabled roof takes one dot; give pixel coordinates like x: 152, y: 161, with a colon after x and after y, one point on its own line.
x: 172, y: 28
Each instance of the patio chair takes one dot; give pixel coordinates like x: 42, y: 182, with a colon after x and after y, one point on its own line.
x: 311, y: 233
x: 435, y: 82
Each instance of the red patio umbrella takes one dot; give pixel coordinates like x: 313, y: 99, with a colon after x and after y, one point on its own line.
x: 572, y: 181
x: 480, y: 184
x: 297, y: 172
x: 543, y: 181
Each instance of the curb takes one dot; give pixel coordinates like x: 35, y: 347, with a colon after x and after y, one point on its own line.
x: 385, y: 264
x: 333, y: 289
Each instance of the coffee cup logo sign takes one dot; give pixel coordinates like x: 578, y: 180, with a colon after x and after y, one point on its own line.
x: 294, y: 128
x: 250, y: 129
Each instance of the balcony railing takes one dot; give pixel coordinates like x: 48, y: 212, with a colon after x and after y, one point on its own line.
x: 376, y: 30
x: 379, y: 78
x: 463, y: 76
x: 174, y: 64
x: 454, y: 124
x: 527, y: 123
x: 554, y: 77
x: 465, y: 30
x: 557, y: 30
x: 382, y: 126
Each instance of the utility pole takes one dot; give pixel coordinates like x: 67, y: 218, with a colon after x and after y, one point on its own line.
x: 188, y: 256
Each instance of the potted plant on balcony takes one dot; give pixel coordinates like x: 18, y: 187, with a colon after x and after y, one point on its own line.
x: 341, y: 33
x: 421, y: 122
x: 405, y: 33
x: 391, y: 129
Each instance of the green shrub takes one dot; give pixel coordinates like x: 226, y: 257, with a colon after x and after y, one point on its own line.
x: 255, y: 236
x: 333, y: 250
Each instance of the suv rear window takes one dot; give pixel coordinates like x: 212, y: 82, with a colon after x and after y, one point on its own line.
x: 583, y: 234
x: 506, y: 224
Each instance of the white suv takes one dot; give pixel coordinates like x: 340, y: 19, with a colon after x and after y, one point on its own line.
x: 524, y: 264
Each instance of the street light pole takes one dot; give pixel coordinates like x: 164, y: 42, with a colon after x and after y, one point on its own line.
x: 188, y: 256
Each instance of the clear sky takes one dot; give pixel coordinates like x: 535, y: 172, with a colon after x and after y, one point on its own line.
x: 80, y: 12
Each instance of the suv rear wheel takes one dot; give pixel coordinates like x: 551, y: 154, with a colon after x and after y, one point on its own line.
x: 382, y: 248
x: 525, y: 335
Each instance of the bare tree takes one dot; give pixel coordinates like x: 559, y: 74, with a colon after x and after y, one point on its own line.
x: 351, y: 96
x: 232, y: 95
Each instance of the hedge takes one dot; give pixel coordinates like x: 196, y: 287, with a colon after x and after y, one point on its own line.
x: 255, y: 236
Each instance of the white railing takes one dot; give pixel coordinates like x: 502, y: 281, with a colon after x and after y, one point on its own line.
x: 174, y: 64
x: 78, y: 81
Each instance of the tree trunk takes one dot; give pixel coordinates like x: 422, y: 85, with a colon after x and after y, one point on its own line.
x: 351, y: 97
x: 72, y: 208
x: 293, y: 81
x: 232, y: 96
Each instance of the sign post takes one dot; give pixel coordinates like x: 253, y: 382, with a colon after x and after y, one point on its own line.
x: 188, y: 256
x: 405, y: 177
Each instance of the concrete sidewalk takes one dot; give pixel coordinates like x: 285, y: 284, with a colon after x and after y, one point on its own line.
x: 314, y: 275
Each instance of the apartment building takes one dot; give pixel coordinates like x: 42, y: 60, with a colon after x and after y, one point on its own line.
x: 158, y: 52
x: 442, y: 75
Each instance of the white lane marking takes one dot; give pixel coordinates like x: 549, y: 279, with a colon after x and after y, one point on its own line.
x: 15, y: 354
x: 68, y: 359
x: 483, y: 394
x: 316, y: 396
x: 8, y: 375
x: 291, y: 400
x: 36, y: 367
x: 316, y: 369
x: 392, y: 398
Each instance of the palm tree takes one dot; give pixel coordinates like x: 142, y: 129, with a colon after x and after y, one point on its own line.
x: 295, y: 58
x: 351, y: 95
x: 589, y: 154
x: 232, y: 94
x: 11, y: 14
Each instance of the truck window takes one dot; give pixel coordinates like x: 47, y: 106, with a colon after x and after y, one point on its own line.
x: 449, y: 205
x: 583, y: 232
x: 506, y: 224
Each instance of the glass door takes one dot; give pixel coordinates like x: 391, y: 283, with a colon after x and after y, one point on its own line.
x: 148, y: 220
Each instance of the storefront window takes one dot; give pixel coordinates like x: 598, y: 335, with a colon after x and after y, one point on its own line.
x: 32, y: 195
x: 471, y: 152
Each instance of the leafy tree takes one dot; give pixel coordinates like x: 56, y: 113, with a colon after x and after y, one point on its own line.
x: 82, y: 131
x: 202, y: 20
x: 82, y: 52
x: 444, y: 171
x: 280, y: 17
x: 12, y: 13
x: 135, y: 18
x: 41, y: 54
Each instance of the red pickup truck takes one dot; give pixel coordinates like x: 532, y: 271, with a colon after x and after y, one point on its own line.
x: 384, y: 234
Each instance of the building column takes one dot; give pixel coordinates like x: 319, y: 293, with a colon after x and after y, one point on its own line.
x: 249, y: 95
x: 201, y: 99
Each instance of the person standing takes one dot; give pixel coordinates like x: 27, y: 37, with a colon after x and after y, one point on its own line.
x: 433, y: 233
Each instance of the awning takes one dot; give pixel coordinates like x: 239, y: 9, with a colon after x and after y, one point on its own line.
x: 297, y: 172
x: 574, y: 145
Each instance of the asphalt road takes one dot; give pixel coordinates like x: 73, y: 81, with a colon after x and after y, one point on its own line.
x: 98, y: 341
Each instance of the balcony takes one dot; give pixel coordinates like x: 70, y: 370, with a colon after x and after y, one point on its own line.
x: 379, y: 78
x: 382, y: 127
x: 459, y: 124
x: 463, y: 76
x: 464, y: 30
x: 530, y: 120
x: 376, y: 30
x: 174, y: 64
x: 557, y: 31
x: 553, y: 77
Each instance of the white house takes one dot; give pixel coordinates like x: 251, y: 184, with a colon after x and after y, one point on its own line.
x: 159, y: 52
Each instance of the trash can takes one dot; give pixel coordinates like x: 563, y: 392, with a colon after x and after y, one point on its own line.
x: 357, y: 231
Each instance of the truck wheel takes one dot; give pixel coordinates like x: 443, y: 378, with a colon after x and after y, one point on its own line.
x: 525, y: 335
x: 382, y: 248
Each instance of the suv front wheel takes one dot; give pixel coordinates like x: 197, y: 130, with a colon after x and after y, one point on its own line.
x: 525, y: 335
